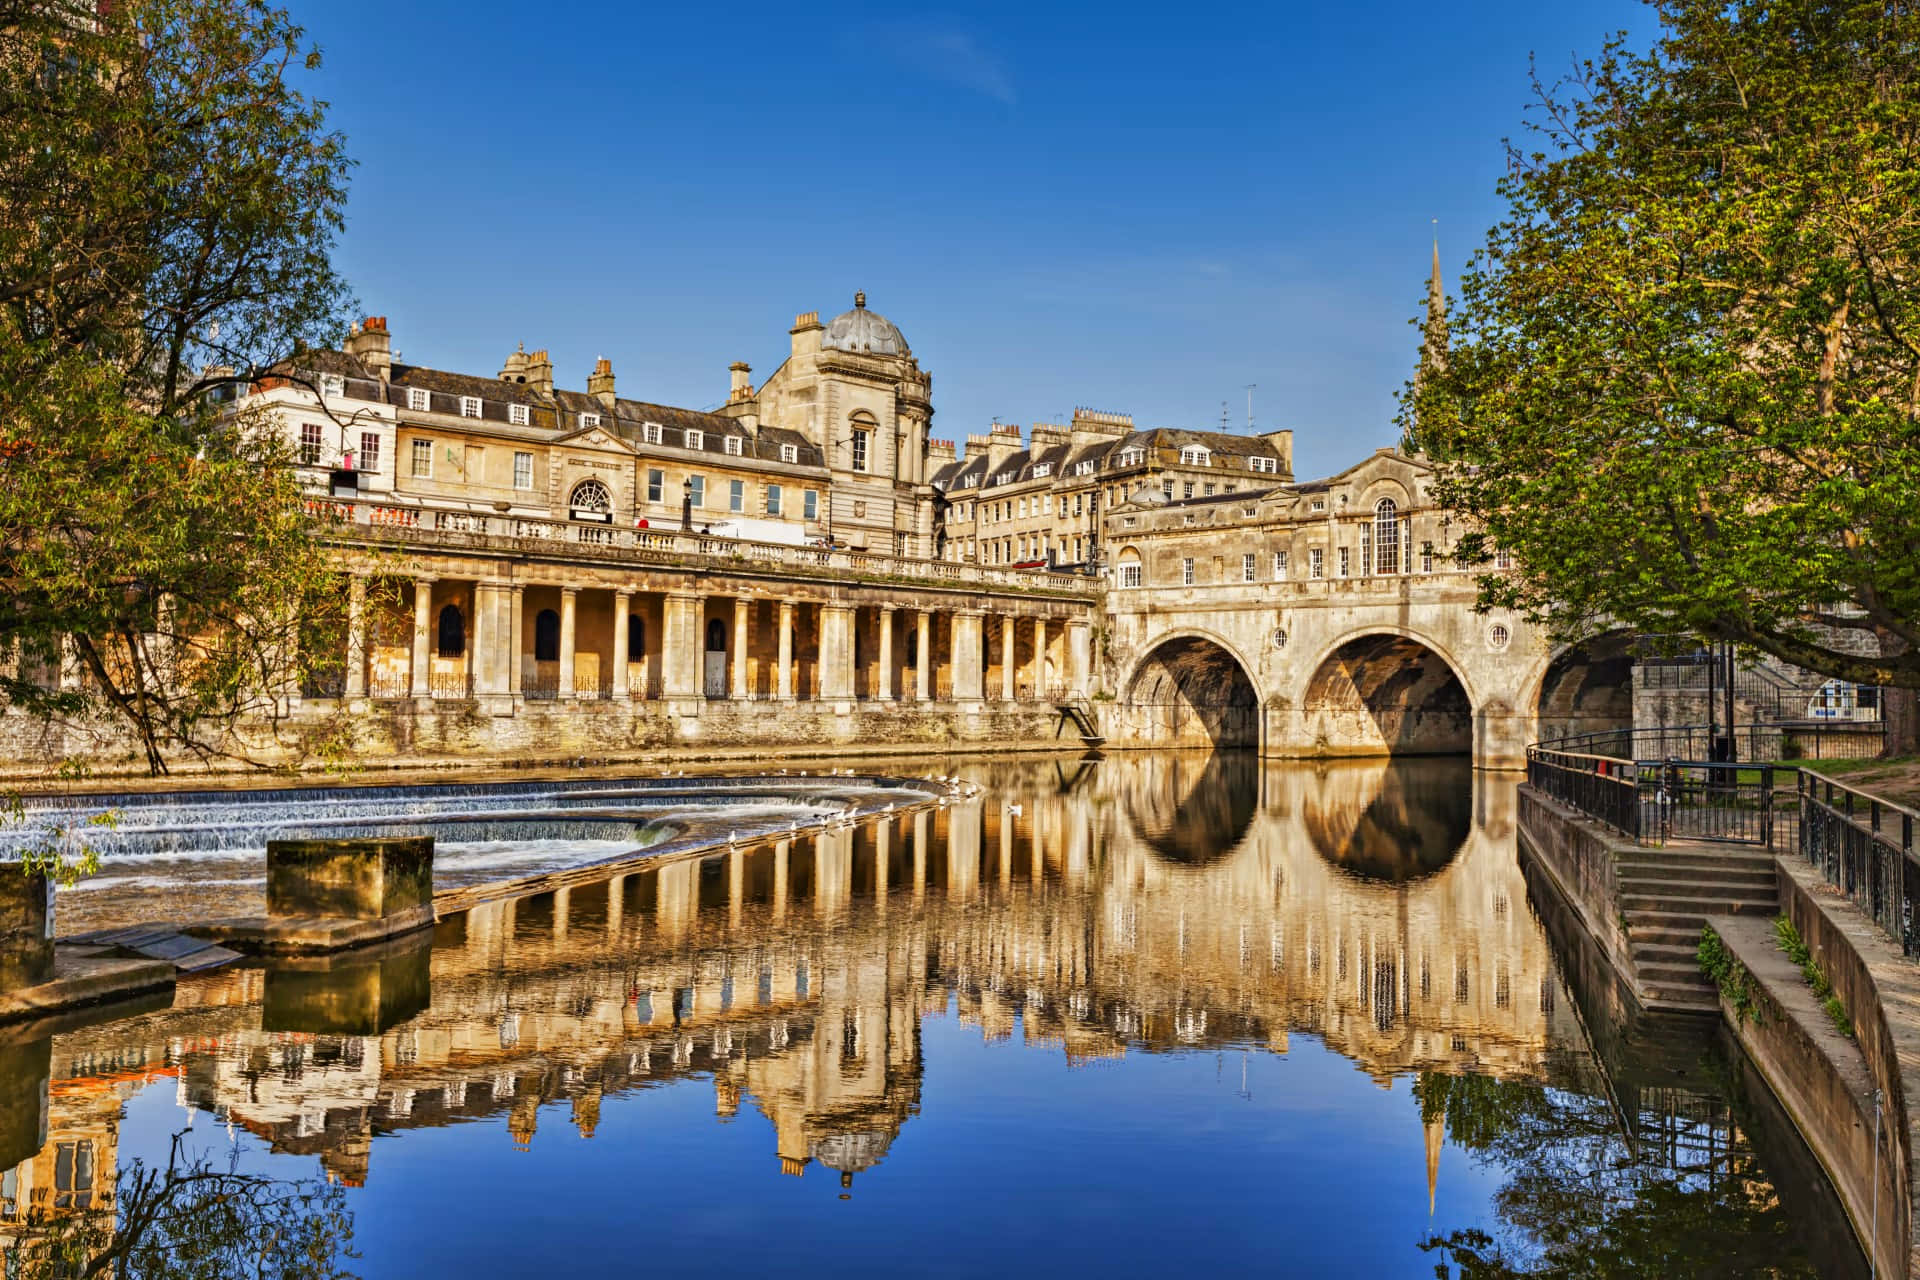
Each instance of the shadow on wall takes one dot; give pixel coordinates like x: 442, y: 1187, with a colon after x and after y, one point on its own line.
x: 1387, y: 694
x: 1192, y: 692
x: 1588, y: 688
x: 1395, y: 821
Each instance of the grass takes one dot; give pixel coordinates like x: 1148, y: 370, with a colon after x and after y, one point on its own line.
x: 1798, y: 952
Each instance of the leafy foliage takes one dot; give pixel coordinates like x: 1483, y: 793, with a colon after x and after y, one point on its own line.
x: 1725, y: 971
x: 1802, y: 956
x: 172, y: 200
x: 1682, y: 378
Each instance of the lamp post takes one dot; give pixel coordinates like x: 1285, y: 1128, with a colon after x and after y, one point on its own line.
x: 686, y: 505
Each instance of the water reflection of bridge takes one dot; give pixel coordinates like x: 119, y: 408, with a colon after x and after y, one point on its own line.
x: 1173, y: 902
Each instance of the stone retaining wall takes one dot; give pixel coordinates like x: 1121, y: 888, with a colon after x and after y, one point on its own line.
x: 1881, y: 991
x: 1579, y: 855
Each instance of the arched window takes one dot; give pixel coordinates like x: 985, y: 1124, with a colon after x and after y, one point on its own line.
x: 1386, y: 536
x: 591, y: 501
x: 546, y: 636
x: 452, y: 632
x: 716, y: 636
x: 1132, y: 573
x: 636, y: 638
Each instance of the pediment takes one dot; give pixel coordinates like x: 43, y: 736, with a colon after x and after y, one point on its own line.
x: 596, y: 438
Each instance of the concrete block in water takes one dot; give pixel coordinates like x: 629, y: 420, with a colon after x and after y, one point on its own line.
x: 354, y: 879
x: 26, y: 929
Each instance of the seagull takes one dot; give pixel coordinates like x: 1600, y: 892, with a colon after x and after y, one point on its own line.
x: 1014, y: 809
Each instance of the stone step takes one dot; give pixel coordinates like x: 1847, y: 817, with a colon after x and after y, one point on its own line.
x: 1705, y: 1003
x: 1663, y: 934
x: 1670, y: 976
x: 1713, y: 862
x: 1697, y: 907
x: 1745, y: 882
x: 1645, y: 953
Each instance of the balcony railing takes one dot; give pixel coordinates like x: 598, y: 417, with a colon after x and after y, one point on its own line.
x: 474, y: 529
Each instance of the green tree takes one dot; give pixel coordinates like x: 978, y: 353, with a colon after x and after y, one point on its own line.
x: 171, y: 199
x: 1682, y: 378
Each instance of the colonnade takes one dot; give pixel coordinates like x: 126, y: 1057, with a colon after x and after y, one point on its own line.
x: 428, y: 637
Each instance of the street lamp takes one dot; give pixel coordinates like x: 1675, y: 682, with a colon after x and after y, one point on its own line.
x: 686, y: 505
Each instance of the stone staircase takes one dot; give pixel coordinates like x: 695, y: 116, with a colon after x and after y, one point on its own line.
x: 1666, y: 895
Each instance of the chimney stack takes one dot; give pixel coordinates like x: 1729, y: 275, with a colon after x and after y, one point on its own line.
x: 540, y: 372
x: 370, y: 344
x: 742, y: 388
x: 600, y: 382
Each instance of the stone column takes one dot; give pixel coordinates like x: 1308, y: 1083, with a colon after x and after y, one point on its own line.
x: 681, y: 647
x: 1039, y: 659
x: 782, y: 852
x: 923, y: 673
x: 357, y: 636
x: 742, y: 618
x: 1079, y: 658
x: 486, y: 670
x: 836, y: 652
x: 569, y: 606
x: 516, y: 623
x: 784, y: 690
x: 883, y: 690
x: 969, y: 675
x: 422, y: 624
x: 921, y: 826
x: 1007, y: 637
x: 882, y: 854
x: 622, y: 623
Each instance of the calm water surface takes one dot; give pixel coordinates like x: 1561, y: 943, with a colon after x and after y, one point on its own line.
x: 1142, y: 1017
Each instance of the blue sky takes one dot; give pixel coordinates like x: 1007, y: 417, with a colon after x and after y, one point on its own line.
x: 1138, y: 209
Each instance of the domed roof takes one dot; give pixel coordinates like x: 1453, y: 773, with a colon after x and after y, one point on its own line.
x: 867, y: 332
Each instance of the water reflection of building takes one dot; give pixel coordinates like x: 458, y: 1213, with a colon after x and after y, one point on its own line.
x: 1152, y: 903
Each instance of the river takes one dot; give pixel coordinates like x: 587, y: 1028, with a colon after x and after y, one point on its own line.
x: 1148, y: 1015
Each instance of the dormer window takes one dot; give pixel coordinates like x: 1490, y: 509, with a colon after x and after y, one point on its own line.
x: 419, y: 399
x: 332, y: 384
x: 788, y: 453
x: 650, y: 432
x: 1318, y: 504
x: 1195, y: 455
x: 1269, y: 465
x: 589, y: 420
x: 517, y: 415
x: 696, y: 439
x: 1083, y: 468
x: 1042, y: 470
x: 469, y: 406
x: 732, y: 444
x: 1130, y: 458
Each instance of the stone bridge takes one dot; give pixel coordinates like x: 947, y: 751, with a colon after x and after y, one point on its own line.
x: 1329, y: 622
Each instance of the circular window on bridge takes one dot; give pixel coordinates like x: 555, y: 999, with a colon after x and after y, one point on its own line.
x: 1279, y: 637
x: 1498, y: 637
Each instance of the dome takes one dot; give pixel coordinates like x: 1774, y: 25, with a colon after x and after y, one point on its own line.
x: 864, y: 331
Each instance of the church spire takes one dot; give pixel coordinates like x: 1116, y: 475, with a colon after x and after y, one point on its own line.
x: 1436, y: 1137
x: 1434, y: 347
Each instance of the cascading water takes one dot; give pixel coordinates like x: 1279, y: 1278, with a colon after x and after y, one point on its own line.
x: 194, y: 855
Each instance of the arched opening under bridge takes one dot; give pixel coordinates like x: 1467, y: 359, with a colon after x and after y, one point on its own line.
x: 1588, y: 688
x: 1385, y: 694
x: 1190, y: 691
x: 1394, y: 821
x: 1194, y: 809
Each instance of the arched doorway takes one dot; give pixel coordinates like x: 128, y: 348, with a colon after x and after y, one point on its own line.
x: 1190, y: 691
x: 1387, y: 695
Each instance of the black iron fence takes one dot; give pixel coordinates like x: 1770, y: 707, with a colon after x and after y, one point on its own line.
x: 1643, y: 785
x: 1604, y: 788
x: 1864, y: 847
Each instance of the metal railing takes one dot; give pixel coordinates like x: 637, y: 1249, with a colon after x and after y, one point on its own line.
x: 1863, y: 845
x: 1605, y: 788
x: 1660, y: 798
x: 1750, y: 743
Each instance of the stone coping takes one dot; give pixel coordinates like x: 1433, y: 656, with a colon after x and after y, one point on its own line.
x: 310, y: 935
x: 1880, y: 989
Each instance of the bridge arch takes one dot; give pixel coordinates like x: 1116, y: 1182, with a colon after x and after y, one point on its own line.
x: 1386, y: 690
x: 1585, y: 687
x: 1192, y: 688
